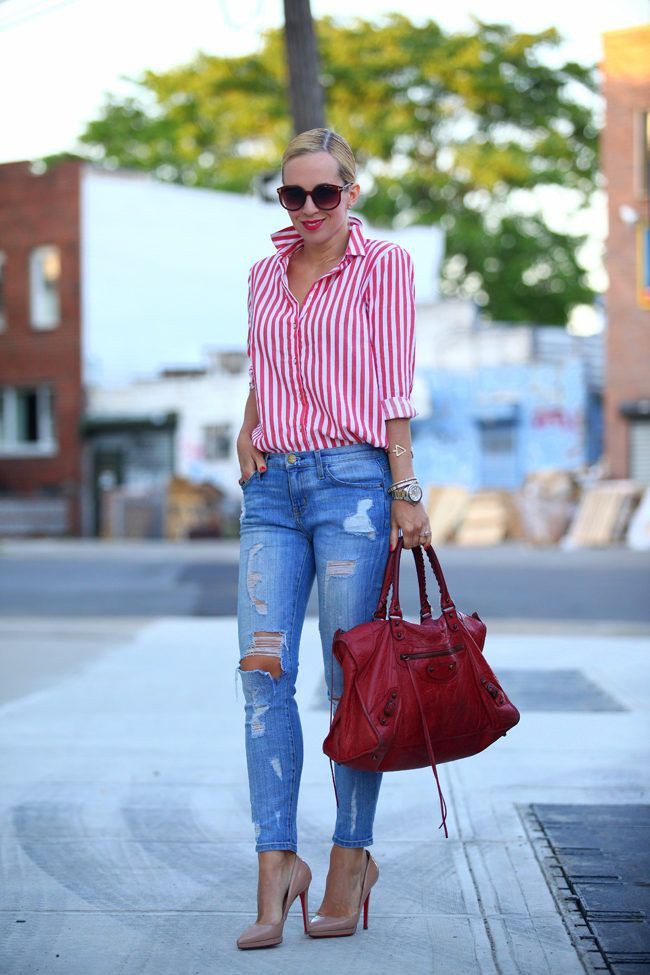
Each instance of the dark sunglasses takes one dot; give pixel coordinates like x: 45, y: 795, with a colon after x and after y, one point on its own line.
x: 325, y: 196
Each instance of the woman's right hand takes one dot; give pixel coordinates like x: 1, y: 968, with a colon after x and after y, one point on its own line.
x: 250, y: 458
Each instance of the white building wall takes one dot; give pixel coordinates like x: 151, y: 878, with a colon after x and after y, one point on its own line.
x: 165, y: 268
x: 200, y: 401
x: 447, y: 337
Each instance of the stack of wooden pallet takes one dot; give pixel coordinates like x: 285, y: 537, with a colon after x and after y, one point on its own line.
x: 446, y: 506
x: 549, y: 508
x: 603, y: 513
x: 638, y: 531
x: 487, y: 519
x: 546, y: 503
x: 471, y: 518
x: 192, y: 510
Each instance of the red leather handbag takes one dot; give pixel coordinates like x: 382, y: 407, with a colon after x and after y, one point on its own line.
x: 415, y: 694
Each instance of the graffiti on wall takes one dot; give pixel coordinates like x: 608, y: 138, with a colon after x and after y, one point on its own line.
x: 556, y: 416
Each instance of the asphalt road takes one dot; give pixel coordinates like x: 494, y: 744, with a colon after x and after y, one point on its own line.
x: 84, y: 578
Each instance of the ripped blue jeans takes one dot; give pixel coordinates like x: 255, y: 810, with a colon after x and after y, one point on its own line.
x: 320, y: 513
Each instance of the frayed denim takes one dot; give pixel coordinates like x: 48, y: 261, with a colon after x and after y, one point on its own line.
x: 321, y: 514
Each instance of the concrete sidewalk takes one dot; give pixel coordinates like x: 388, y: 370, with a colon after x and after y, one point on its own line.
x: 127, y: 845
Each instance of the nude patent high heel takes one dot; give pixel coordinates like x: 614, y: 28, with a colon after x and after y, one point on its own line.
x: 266, y: 935
x: 322, y: 926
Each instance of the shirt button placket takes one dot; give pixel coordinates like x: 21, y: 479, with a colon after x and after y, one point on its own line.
x: 301, y: 424
x: 296, y: 350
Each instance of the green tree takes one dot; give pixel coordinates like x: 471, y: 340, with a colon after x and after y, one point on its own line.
x: 456, y: 129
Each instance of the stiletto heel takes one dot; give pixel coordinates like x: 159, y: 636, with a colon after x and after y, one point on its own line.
x: 322, y: 926
x: 266, y: 935
x: 366, y: 908
x: 303, y: 904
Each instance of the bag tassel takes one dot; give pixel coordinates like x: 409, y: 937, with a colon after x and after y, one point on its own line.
x: 432, y: 758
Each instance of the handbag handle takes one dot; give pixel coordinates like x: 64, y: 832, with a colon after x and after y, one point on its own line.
x: 425, y: 607
x: 446, y: 602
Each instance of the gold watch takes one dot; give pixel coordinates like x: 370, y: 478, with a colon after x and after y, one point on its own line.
x: 408, y: 492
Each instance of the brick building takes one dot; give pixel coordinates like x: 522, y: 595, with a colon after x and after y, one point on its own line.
x: 41, y: 396
x: 626, y: 165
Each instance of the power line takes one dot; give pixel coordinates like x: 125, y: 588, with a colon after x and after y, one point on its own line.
x: 39, y: 7
x: 246, y: 22
x: 28, y: 12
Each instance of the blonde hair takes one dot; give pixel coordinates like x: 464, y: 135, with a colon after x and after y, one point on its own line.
x: 323, y: 140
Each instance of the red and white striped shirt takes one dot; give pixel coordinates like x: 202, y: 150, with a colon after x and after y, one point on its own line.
x: 334, y: 371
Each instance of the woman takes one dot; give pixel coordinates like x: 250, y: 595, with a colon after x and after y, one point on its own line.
x: 325, y: 432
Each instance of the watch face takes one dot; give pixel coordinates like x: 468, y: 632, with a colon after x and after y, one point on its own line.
x: 415, y: 493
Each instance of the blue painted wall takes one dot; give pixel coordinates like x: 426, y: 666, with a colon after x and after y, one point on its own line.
x: 492, y: 427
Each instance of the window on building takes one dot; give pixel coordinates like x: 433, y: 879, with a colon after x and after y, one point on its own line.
x: 498, y: 439
x: 216, y: 441
x: 3, y: 308
x: 44, y: 281
x: 27, y: 415
x: 644, y: 142
x: 498, y: 457
x: 27, y: 420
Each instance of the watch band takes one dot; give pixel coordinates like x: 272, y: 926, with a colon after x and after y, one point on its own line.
x: 399, y: 494
x: 402, y: 491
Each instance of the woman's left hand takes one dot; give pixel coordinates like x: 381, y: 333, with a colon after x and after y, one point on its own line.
x: 414, y: 522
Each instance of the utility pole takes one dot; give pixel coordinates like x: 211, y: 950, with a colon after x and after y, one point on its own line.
x: 305, y: 90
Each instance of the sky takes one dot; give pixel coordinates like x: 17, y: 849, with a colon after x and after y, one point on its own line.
x: 59, y: 58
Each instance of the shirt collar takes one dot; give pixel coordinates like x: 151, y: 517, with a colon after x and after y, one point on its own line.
x: 286, y: 239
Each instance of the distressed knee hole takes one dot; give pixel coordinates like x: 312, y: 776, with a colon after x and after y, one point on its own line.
x: 265, y: 653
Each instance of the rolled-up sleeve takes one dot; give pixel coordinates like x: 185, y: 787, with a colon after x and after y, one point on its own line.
x: 251, y: 374
x: 392, y: 324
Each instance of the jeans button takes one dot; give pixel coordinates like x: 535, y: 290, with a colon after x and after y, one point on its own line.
x: 292, y: 458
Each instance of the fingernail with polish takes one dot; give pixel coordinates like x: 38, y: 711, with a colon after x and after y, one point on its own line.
x: 262, y: 468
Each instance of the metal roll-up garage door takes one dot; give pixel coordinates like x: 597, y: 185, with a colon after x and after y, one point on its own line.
x: 640, y: 450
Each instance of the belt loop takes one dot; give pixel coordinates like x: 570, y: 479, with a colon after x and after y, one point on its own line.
x: 319, y: 462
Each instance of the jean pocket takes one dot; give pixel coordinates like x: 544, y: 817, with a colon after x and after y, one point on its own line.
x: 255, y: 476
x: 367, y: 473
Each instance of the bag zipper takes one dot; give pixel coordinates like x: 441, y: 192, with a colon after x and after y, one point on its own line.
x: 429, y: 653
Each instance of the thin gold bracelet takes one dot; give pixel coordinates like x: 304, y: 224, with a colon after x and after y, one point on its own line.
x: 398, y: 450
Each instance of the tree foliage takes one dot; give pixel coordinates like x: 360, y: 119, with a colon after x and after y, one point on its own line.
x: 456, y: 129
